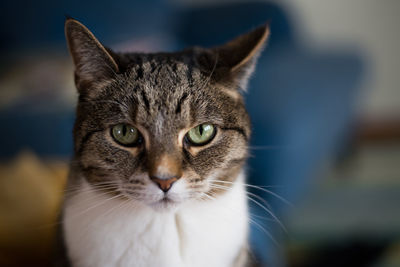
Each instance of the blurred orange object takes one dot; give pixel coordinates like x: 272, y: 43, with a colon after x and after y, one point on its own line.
x: 30, y: 197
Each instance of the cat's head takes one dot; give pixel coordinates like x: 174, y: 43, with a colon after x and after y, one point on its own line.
x: 162, y: 128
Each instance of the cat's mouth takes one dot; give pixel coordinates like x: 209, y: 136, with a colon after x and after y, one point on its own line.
x: 166, y: 199
x: 166, y: 203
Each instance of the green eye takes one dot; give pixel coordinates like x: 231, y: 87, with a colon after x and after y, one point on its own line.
x: 201, y: 134
x: 125, y: 134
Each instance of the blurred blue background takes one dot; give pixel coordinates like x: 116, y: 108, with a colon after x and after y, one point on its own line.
x: 324, y: 103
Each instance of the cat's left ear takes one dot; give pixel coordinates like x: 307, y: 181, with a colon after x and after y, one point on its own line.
x: 93, y: 63
x: 236, y: 60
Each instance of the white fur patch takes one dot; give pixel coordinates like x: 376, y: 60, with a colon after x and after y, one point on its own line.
x: 101, y: 232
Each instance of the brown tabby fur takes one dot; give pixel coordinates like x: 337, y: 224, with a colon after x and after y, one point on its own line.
x: 163, y: 95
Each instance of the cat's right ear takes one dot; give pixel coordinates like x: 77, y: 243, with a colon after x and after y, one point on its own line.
x: 235, y: 61
x: 93, y: 63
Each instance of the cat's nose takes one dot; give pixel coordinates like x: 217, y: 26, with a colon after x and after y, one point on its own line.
x: 164, y: 183
x: 164, y: 170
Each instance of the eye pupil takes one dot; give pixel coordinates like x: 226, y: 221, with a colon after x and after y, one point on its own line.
x: 125, y: 134
x: 201, y: 134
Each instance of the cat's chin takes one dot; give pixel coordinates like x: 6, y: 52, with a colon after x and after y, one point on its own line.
x: 165, y: 205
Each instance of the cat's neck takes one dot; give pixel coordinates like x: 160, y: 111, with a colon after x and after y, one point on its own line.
x: 101, y: 232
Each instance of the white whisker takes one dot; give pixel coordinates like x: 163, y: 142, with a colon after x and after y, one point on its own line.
x: 265, y: 231
x: 262, y: 188
x: 250, y: 220
x: 269, y: 212
x: 95, y: 206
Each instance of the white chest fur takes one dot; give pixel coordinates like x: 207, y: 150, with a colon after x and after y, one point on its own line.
x: 101, y: 232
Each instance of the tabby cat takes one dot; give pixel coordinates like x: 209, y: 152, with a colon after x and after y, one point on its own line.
x: 160, y: 145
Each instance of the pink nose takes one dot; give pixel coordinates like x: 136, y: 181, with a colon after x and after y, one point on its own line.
x: 164, y: 184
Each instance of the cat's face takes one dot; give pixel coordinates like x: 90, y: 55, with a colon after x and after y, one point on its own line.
x: 161, y: 129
